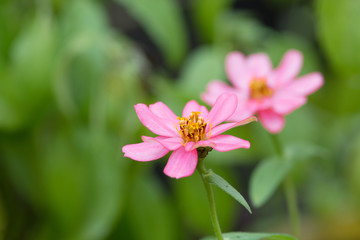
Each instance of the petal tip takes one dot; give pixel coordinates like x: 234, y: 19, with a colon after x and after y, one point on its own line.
x: 272, y: 131
x: 294, y: 52
x: 154, y: 105
x: 253, y: 119
x: 123, y: 149
x: 320, y: 78
x: 139, y: 105
x: 234, y: 54
x: 177, y: 176
x: 181, y: 163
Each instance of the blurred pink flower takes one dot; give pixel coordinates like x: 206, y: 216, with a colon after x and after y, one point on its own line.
x: 271, y: 93
x: 196, y: 128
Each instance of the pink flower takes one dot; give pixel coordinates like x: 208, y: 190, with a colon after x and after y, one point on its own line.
x: 271, y: 93
x: 196, y: 128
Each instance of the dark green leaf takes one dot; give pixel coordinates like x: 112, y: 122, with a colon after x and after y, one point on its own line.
x: 163, y: 22
x: 226, y: 187
x: 205, y: 14
x: 339, y: 33
x: 151, y: 213
x: 266, y: 178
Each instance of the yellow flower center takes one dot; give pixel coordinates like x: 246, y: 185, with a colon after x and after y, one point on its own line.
x: 192, y: 128
x: 259, y: 89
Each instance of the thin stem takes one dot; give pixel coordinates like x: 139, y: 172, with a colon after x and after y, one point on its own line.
x: 210, y: 195
x: 290, y: 192
x: 277, y: 145
x: 292, y: 205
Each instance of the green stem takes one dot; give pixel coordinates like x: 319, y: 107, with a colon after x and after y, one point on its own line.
x: 277, y: 145
x: 210, y: 195
x: 290, y: 192
x: 292, y: 205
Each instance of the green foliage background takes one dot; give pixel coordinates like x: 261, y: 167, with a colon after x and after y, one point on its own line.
x: 71, y: 71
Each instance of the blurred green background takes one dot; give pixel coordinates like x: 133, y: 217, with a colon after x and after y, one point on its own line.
x: 71, y: 71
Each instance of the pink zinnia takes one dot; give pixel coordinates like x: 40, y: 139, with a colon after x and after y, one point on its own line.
x: 271, y: 93
x: 196, y: 128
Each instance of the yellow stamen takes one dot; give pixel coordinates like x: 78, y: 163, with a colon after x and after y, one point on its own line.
x: 259, y: 89
x: 192, y: 128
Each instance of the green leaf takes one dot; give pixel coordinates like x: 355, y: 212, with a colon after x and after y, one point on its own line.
x: 82, y: 18
x: 33, y: 54
x: 80, y: 67
x: 30, y: 67
x: 89, y: 156
x: 266, y: 178
x: 107, y: 193
x: 9, y: 117
x: 339, y: 33
x: 65, y: 172
x: 226, y: 187
x: 204, y: 65
x: 242, y: 30
x: 162, y: 20
x: 339, y: 37
x: 205, y: 14
x: 301, y: 151
x: 253, y: 236
x: 151, y: 213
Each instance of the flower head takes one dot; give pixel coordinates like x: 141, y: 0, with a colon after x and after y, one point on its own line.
x: 183, y: 135
x: 271, y: 93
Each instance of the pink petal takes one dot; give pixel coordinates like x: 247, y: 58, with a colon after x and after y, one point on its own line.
x: 189, y: 146
x: 259, y: 65
x: 237, y: 71
x: 181, y: 163
x: 289, y: 67
x: 215, y: 89
x: 204, y: 112
x: 284, y: 102
x: 225, y: 143
x: 223, y: 108
x: 154, y: 123
x: 193, y: 106
x: 307, y: 84
x: 169, y: 143
x: 262, y: 104
x: 145, y: 151
x: 293, y: 95
x: 272, y: 121
x: 162, y: 111
x: 226, y: 126
x: 203, y: 143
x: 151, y: 139
x: 244, y: 110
